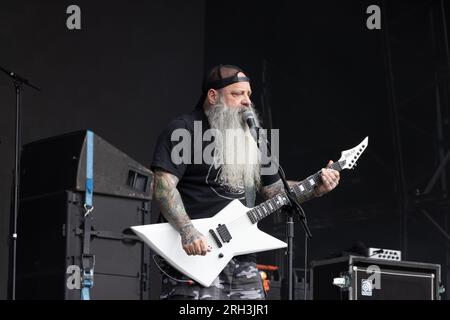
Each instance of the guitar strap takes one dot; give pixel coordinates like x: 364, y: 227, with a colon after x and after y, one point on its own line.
x: 87, y: 258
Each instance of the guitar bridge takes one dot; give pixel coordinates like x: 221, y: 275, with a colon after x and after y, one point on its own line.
x: 224, y: 233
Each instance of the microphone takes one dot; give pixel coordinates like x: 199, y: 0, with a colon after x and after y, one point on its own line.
x: 249, y: 118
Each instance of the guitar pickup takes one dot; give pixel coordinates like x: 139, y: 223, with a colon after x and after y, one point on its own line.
x: 223, y: 232
x: 215, y: 237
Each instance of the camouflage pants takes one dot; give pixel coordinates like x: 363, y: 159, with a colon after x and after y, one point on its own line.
x: 240, y: 280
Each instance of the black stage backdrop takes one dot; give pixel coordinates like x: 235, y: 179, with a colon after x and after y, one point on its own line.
x: 131, y: 68
x: 328, y: 83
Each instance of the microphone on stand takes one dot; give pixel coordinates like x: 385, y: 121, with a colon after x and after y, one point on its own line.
x: 249, y: 118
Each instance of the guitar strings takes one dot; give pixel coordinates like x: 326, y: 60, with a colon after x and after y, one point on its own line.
x: 334, y: 166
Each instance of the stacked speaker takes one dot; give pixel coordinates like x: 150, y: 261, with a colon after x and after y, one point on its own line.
x: 52, y: 215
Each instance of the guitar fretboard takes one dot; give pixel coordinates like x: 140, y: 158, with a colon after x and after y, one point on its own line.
x: 304, y: 187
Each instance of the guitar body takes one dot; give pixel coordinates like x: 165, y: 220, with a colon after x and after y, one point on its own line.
x: 245, y: 238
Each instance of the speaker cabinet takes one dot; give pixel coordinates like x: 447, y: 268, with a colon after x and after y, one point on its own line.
x: 50, y: 245
x: 51, y: 220
x: 361, y: 278
x: 59, y: 163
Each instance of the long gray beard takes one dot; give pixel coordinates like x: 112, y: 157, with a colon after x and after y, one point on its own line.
x: 237, y: 152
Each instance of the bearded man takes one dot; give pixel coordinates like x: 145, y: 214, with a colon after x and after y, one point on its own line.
x: 195, y: 189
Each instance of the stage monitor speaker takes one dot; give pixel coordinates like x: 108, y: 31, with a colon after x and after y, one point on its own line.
x: 51, y: 220
x: 50, y: 244
x: 361, y: 278
x: 59, y: 163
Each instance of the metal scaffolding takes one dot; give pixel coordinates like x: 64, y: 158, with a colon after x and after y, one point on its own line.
x: 429, y: 198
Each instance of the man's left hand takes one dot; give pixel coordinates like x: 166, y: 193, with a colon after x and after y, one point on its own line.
x: 330, y: 180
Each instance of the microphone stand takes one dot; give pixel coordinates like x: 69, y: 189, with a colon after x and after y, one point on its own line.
x: 293, y: 208
x: 18, y: 85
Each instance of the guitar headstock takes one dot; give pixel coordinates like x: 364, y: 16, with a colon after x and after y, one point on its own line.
x: 349, y: 157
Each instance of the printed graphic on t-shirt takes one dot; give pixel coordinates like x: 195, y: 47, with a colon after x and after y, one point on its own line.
x: 216, y: 183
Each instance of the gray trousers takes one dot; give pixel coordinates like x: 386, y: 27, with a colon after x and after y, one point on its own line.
x: 239, y: 280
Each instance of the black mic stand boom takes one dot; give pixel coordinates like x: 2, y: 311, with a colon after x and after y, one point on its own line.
x: 293, y: 208
x: 18, y: 85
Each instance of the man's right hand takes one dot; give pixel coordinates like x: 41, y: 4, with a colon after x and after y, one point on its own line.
x: 193, y: 242
x: 167, y: 196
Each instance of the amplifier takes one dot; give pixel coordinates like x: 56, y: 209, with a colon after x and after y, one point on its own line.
x: 51, y: 221
x: 50, y: 247
x: 58, y: 163
x: 361, y: 278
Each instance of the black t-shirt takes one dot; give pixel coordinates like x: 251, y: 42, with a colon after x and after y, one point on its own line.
x: 199, y: 185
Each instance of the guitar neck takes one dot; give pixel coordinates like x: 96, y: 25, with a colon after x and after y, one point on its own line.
x: 302, y: 188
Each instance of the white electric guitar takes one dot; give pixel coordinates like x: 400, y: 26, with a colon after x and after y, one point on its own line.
x: 233, y: 231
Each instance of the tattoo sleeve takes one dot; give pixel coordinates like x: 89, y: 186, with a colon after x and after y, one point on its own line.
x: 278, y: 187
x: 166, y: 194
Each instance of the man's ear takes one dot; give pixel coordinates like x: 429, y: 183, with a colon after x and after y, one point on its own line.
x: 212, y: 96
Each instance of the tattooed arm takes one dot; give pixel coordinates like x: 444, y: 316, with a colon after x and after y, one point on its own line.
x: 172, y: 208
